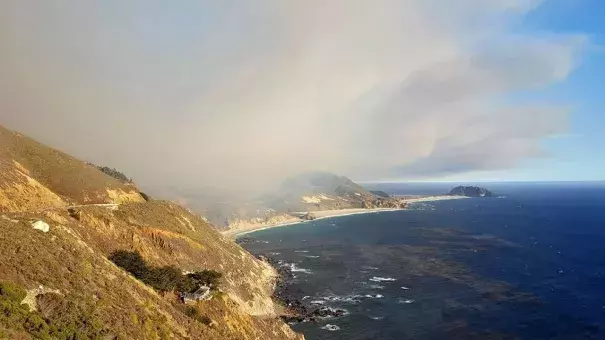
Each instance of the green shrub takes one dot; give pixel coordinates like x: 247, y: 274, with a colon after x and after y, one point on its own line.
x: 74, y: 320
x: 131, y: 261
x: 192, y: 312
x: 60, y: 319
x: 12, y: 312
x: 167, y: 278
x: 113, y: 173
x: 164, y: 279
x: 209, y: 278
x: 195, y: 314
x: 37, y: 326
x: 12, y: 292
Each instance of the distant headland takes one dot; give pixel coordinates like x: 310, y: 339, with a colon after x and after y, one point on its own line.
x: 471, y: 191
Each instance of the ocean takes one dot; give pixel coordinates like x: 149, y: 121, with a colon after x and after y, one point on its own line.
x: 529, y: 264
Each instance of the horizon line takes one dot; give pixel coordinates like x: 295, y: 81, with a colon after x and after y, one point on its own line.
x: 488, y: 181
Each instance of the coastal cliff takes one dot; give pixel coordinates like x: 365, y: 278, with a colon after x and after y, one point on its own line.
x: 238, y: 223
x: 296, y: 200
x: 61, y: 220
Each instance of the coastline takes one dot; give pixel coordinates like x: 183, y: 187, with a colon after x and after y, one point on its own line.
x: 323, y: 214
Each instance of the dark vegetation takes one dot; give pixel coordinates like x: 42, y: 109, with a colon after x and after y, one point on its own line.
x: 58, y: 317
x: 113, y: 173
x: 145, y: 196
x: 471, y: 191
x: 194, y: 313
x: 166, y: 278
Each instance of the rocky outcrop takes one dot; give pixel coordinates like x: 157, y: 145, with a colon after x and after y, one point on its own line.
x: 242, y: 223
x: 42, y: 226
x: 295, y: 310
x: 308, y: 216
x: 471, y: 191
x: 387, y: 203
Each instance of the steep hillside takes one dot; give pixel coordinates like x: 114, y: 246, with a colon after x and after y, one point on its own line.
x: 59, y: 283
x: 34, y: 176
x: 323, y: 191
x: 318, y: 183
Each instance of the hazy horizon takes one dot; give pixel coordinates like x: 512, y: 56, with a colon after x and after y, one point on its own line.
x: 238, y: 95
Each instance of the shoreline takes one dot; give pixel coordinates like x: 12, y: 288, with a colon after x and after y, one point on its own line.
x: 323, y: 214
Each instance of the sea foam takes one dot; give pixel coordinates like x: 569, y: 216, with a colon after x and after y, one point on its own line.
x: 405, y: 301
x: 382, y: 279
x: 331, y: 328
x: 295, y: 269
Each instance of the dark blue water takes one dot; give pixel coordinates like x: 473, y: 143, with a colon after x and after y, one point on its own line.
x: 528, y: 265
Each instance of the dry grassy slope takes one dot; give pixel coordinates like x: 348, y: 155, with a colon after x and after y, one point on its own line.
x: 37, y: 182
x: 71, y: 258
x: 34, y: 176
x: 166, y: 233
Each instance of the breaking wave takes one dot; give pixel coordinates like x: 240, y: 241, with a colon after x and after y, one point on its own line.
x: 331, y: 328
x: 405, y: 301
x: 295, y: 269
x: 382, y: 279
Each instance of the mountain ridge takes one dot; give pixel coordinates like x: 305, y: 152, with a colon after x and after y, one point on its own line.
x: 296, y: 196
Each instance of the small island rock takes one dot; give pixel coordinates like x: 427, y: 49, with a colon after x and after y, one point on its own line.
x: 471, y: 191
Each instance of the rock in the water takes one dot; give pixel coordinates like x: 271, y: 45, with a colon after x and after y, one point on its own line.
x: 309, y: 216
x: 42, y: 226
x: 331, y: 328
x: 471, y: 191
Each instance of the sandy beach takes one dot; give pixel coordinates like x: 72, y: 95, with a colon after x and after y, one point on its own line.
x: 323, y: 214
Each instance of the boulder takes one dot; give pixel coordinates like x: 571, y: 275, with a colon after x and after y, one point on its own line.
x: 41, y: 225
x: 309, y: 216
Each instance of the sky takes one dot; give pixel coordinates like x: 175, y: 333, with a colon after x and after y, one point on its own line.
x: 240, y: 94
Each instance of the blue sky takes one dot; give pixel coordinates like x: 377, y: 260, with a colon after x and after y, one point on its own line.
x: 578, y: 154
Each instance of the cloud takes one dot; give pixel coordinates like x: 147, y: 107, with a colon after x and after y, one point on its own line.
x: 240, y: 94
